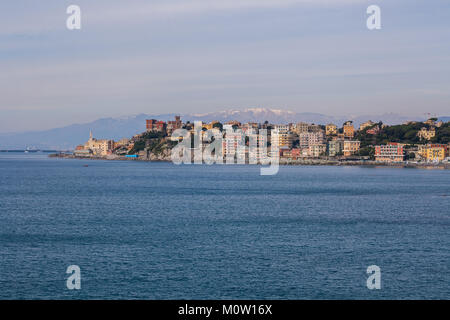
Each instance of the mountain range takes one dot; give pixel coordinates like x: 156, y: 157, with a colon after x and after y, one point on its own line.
x: 66, y: 138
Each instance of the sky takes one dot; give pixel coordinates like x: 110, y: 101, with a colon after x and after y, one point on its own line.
x: 198, y: 56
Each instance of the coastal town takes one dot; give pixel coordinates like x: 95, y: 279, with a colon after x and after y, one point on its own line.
x: 425, y: 142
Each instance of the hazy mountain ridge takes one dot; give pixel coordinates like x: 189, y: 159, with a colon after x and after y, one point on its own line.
x: 115, y: 128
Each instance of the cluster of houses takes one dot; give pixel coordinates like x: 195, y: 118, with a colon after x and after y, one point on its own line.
x: 294, y: 141
x: 103, y: 147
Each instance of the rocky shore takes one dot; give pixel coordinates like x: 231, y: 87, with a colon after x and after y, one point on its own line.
x: 308, y: 162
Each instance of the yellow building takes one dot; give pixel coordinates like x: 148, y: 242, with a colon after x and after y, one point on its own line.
x: 282, y: 139
x: 330, y: 129
x: 349, y: 130
x: 351, y: 147
x: 99, y: 147
x: 435, y: 154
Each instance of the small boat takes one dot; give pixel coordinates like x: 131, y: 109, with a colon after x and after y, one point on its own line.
x: 85, y: 165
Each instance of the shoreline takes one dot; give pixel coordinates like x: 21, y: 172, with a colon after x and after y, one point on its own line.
x: 304, y: 162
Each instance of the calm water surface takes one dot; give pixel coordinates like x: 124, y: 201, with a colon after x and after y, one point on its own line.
x: 160, y: 231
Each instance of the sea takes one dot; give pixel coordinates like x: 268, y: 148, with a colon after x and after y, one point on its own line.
x: 156, y: 230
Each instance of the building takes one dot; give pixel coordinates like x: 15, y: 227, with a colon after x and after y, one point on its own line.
x: 426, y: 134
x: 301, y: 127
x: 436, y: 154
x: 258, y: 149
x: 232, y: 143
x: 317, y: 150
x: 174, y: 125
x: 373, y: 131
x: 331, y: 129
x: 351, y: 147
x: 282, y: 128
x: 296, y: 153
x: 99, y: 147
x: 307, y: 139
x: 366, y: 124
x: 335, y: 148
x: 315, y: 128
x: 122, y: 142
x: 349, y: 130
x: 284, y: 139
x: 392, y: 152
x: 153, y: 125
x: 250, y: 127
x: 433, y: 152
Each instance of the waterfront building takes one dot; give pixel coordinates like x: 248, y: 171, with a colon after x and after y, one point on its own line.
x: 351, y: 147
x: 233, y: 143
x: 433, y: 151
x: 392, y: 152
x: 258, y: 149
x: 99, y: 147
x: 436, y: 154
x: 335, y: 147
x: 296, y: 153
x: 317, y: 150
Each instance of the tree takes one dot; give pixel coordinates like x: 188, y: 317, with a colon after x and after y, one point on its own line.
x: 218, y: 125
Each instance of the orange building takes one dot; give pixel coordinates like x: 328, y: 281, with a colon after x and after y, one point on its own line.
x: 351, y: 147
x: 392, y: 152
x: 349, y: 129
